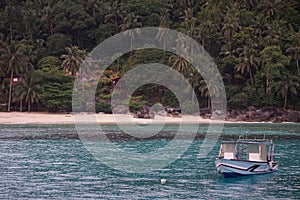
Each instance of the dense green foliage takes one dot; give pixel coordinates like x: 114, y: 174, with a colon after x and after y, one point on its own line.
x: 255, y: 44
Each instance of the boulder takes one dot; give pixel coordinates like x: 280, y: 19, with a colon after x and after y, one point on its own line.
x: 156, y: 107
x: 120, y: 109
x: 265, y: 116
x: 146, y: 116
x: 277, y: 119
x: 271, y: 109
x: 176, y: 114
x: 204, y: 111
x: 162, y: 113
x: 293, y: 116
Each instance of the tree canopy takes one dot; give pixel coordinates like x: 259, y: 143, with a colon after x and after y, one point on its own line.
x: 255, y: 44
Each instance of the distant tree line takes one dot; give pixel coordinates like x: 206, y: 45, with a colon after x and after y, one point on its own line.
x: 255, y: 44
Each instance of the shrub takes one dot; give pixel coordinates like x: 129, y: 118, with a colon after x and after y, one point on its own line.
x: 136, y: 103
x: 239, y: 100
x: 103, y: 106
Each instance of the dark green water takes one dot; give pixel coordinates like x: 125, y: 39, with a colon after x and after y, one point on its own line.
x: 43, y: 162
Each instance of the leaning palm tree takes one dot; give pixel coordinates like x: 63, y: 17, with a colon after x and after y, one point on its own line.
x: 13, y: 61
x: 287, y: 85
x: 29, y: 90
x: 73, y: 59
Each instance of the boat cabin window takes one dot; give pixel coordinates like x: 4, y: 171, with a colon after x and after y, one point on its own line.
x: 253, y: 151
x: 256, y: 152
x: 227, y: 150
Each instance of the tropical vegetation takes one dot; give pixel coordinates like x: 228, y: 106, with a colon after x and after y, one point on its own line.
x: 254, y: 43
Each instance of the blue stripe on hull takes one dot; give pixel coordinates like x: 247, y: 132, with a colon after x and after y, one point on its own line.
x: 235, y: 168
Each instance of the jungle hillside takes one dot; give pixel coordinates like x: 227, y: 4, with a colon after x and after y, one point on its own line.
x: 254, y: 43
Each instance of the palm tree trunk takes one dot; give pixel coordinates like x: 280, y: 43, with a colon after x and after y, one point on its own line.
x: 10, y: 89
x: 193, y: 96
x: 94, y: 11
x: 131, y: 43
x: 251, y: 76
x: 267, y: 86
x: 116, y: 20
x: 285, y: 97
x: 11, y: 34
x: 164, y: 41
x: 29, y: 105
x: 21, y: 105
x: 297, y: 64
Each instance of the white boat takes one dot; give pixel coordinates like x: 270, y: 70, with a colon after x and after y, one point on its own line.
x: 246, y: 157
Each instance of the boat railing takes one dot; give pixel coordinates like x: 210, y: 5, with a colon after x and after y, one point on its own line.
x: 253, y: 139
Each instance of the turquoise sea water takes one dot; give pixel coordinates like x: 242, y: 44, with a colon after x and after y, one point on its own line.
x: 48, y: 162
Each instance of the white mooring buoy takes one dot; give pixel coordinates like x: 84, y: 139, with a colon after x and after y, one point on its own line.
x: 163, y: 181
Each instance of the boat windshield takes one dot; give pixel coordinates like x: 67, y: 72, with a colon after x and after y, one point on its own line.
x: 252, y: 151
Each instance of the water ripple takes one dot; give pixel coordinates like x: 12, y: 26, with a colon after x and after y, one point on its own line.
x: 64, y: 169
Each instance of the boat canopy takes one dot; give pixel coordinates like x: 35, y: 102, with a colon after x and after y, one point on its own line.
x: 247, y: 150
x: 266, y: 142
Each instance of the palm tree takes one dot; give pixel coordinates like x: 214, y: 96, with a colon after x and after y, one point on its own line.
x: 27, y: 89
x: 189, y: 21
x: 294, y: 49
x: 183, y: 4
x: 276, y: 33
x: 231, y: 23
x: 179, y: 63
x: 18, y: 97
x: 194, y: 79
x: 287, y: 85
x: 114, y: 15
x: 247, y: 62
x: 47, y: 19
x: 208, y: 23
x: 130, y: 23
x: 13, y: 60
x: 93, y: 4
x: 29, y: 56
x: 210, y: 89
x: 162, y: 35
x: 12, y: 17
x: 273, y: 63
x: 249, y: 4
x: 2, y: 84
x: 272, y: 9
x: 30, y: 19
x: 72, y: 61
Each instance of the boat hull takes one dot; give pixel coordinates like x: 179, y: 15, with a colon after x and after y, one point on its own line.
x: 234, y: 168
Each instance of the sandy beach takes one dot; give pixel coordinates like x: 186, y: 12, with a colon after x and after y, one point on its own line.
x: 64, y: 118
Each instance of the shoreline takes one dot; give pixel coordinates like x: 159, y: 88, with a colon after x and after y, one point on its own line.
x: 18, y: 118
